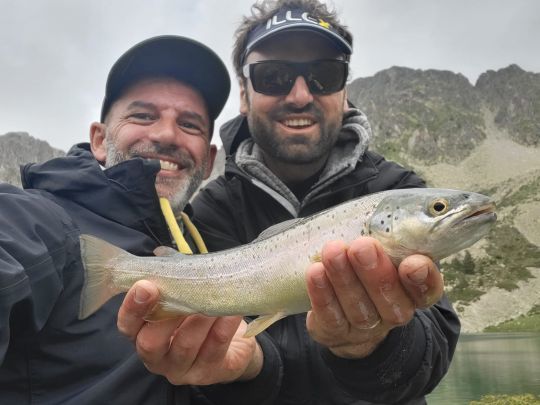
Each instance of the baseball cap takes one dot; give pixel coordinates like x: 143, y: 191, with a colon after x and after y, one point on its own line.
x: 296, y: 19
x: 172, y: 56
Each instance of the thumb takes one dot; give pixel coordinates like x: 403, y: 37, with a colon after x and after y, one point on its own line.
x: 138, y: 302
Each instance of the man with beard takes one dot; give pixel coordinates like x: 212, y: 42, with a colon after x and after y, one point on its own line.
x: 161, y: 99
x: 375, y: 334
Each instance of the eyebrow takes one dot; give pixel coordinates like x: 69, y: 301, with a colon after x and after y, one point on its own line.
x: 195, y: 116
x: 141, y: 104
x: 184, y: 114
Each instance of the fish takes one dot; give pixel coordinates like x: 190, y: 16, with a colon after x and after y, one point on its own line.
x: 266, y: 277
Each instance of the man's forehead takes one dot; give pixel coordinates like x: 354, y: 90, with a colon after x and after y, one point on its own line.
x: 296, y: 46
x: 155, y: 87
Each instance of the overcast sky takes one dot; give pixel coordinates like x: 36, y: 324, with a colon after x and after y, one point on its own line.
x: 55, y: 54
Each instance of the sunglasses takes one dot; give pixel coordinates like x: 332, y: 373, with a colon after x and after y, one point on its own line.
x: 277, y: 78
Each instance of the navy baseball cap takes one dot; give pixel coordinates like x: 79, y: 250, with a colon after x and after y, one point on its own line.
x: 173, y: 56
x: 295, y: 19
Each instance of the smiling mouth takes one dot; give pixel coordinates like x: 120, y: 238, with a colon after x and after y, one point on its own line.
x: 298, y: 123
x: 166, y: 165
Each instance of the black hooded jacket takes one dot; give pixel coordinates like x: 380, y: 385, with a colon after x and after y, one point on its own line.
x: 47, y: 355
x: 236, y: 207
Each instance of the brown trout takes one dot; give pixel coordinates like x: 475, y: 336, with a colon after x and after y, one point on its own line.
x: 266, y: 276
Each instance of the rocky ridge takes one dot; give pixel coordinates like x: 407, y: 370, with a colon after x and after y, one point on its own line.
x: 18, y: 148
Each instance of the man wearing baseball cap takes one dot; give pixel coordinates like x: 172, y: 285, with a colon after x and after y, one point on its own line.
x: 375, y: 334
x: 149, y: 151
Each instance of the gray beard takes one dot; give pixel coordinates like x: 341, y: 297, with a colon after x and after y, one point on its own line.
x: 185, y: 188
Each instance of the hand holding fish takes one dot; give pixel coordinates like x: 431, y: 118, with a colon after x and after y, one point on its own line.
x: 365, y: 295
x: 194, y: 349
x: 358, y: 296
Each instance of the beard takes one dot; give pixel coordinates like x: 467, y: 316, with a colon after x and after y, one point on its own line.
x: 290, y: 149
x: 177, y: 190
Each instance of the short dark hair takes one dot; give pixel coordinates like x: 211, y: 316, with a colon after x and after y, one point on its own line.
x: 263, y: 10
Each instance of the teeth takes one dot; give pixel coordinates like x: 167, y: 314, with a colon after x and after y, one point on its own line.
x: 299, y: 122
x: 165, y: 165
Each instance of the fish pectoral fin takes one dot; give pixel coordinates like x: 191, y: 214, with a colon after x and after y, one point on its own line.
x: 163, y: 310
x: 262, y: 322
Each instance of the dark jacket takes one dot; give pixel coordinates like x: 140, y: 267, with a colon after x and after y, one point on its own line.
x: 236, y: 207
x: 46, y: 354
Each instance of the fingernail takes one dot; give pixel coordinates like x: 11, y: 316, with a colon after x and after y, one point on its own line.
x: 367, y: 257
x: 419, y: 276
x: 141, y: 295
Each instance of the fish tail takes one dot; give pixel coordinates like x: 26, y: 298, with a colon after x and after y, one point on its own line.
x: 98, y: 286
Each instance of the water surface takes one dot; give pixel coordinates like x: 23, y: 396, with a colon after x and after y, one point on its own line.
x: 491, y: 363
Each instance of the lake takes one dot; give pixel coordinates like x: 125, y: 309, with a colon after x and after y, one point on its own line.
x: 491, y: 363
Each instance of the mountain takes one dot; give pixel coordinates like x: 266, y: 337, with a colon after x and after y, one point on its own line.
x: 483, y: 137
x: 18, y: 148
x: 512, y: 94
x: 433, y: 116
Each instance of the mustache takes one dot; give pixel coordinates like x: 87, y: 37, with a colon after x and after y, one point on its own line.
x: 172, y: 152
x: 281, y: 112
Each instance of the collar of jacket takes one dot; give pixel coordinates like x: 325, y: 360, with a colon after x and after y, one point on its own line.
x: 124, y: 193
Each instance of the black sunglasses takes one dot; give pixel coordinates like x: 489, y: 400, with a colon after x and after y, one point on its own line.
x: 276, y: 77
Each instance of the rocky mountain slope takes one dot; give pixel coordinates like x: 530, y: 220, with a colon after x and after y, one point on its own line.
x: 483, y: 137
x: 17, y: 148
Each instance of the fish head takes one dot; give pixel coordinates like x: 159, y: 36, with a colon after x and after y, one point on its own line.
x: 432, y: 222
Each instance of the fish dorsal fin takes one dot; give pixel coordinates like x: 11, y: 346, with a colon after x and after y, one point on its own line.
x: 277, y: 228
x: 166, y: 251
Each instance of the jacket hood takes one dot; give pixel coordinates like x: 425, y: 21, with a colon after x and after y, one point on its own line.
x: 348, y: 151
x: 124, y: 192
x: 233, y: 132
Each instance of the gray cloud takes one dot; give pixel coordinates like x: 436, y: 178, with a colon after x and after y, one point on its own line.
x: 55, y: 55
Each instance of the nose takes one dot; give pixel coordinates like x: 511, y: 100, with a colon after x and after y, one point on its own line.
x: 164, y: 131
x: 299, y: 96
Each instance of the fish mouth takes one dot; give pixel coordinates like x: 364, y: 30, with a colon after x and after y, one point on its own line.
x: 485, y: 212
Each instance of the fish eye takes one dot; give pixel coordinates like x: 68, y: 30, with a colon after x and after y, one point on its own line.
x: 439, y: 206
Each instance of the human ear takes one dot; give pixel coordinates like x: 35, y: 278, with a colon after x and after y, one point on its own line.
x: 211, y: 158
x: 244, y: 102
x: 97, y: 141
